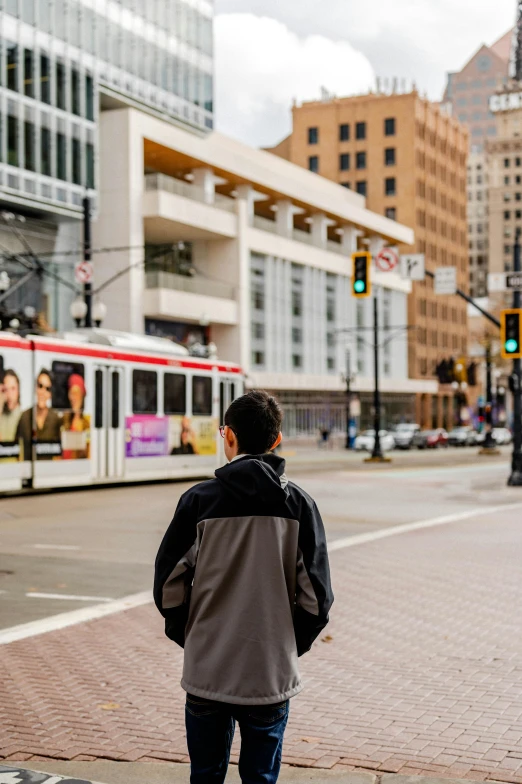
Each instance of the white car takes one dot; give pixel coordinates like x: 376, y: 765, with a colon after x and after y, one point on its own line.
x: 502, y: 435
x: 404, y: 434
x: 366, y: 441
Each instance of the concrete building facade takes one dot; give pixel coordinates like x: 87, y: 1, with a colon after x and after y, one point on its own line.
x: 408, y: 158
x: 62, y: 63
x: 233, y: 245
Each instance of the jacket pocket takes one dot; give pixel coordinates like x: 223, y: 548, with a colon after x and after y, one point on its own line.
x: 199, y: 706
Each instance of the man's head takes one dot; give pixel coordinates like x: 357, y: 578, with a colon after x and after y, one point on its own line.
x: 252, y: 424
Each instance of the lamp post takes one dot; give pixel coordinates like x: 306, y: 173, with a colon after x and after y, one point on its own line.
x: 99, y: 313
x: 78, y: 311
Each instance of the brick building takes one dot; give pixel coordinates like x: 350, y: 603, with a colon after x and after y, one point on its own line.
x: 408, y: 157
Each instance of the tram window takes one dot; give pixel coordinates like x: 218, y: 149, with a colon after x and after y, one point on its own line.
x: 174, y: 393
x: 221, y: 402
x: 98, y: 399
x: 201, y: 396
x: 62, y: 371
x: 232, y: 392
x: 144, y: 392
x: 1, y: 368
x: 115, y: 401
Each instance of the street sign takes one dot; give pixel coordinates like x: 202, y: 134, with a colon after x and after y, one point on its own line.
x: 387, y: 259
x: 504, y: 281
x: 514, y: 281
x: 413, y: 266
x: 83, y: 272
x: 446, y: 280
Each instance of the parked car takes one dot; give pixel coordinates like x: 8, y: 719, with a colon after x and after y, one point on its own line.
x: 366, y: 441
x: 502, y: 435
x: 430, y: 439
x: 462, y: 436
x: 404, y: 434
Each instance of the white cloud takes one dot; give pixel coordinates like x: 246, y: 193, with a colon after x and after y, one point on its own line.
x: 261, y: 66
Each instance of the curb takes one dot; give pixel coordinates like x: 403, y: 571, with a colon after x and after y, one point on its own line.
x: 175, y: 773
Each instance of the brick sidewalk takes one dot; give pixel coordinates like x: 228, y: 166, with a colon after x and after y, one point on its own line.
x: 420, y: 672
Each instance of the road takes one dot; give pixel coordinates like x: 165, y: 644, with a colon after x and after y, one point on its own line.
x: 99, y: 545
x: 420, y: 670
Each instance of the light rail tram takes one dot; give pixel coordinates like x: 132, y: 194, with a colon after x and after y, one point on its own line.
x: 96, y: 406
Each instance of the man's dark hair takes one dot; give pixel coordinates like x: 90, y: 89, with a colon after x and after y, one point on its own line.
x: 256, y: 420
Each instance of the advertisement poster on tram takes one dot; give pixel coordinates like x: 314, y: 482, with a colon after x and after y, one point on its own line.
x: 57, y: 418
x: 149, y: 436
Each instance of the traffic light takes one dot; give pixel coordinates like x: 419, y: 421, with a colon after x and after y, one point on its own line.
x: 511, y: 334
x: 361, y: 281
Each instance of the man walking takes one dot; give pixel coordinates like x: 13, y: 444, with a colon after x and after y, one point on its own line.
x: 243, y: 582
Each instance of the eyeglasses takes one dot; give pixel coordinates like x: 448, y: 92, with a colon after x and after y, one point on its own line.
x: 222, y: 430
x: 43, y: 386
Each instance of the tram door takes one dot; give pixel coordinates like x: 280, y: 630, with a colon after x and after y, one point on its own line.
x: 108, y: 434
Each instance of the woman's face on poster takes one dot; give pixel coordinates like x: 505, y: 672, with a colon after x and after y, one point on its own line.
x: 43, y: 390
x: 11, y: 392
x: 76, y: 397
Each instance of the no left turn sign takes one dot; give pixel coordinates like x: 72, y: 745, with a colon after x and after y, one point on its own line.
x: 387, y: 259
x: 83, y: 272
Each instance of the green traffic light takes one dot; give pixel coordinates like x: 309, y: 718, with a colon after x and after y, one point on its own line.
x: 359, y: 286
x: 511, y: 345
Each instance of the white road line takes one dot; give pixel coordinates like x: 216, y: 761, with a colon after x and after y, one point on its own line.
x: 383, y: 533
x: 64, y: 620
x: 56, y: 547
x: 69, y: 597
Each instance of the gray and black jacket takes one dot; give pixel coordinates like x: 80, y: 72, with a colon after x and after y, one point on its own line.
x: 243, y: 582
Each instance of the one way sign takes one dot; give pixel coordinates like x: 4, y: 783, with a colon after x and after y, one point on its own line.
x: 413, y: 266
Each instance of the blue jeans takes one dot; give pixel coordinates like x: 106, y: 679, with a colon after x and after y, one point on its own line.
x: 210, y: 731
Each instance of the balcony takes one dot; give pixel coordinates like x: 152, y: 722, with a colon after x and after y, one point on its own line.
x: 174, y: 210
x: 180, y: 297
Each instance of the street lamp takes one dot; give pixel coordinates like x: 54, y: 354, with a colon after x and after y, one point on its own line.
x: 99, y: 312
x: 78, y: 310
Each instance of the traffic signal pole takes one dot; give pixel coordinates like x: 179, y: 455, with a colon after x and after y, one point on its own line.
x: 515, y: 479
x: 87, y: 256
x: 377, y: 454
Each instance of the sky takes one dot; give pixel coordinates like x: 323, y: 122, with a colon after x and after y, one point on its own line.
x: 270, y: 52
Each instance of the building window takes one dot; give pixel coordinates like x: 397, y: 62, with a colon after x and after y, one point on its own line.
x: 360, y: 130
x: 89, y: 165
x: 76, y: 162
x: 507, y: 249
x: 391, y: 213
x: 75, y: 92
x: 12, y: 67
x: 346, y: 185
x: 45, y: 79
x: 297, y: 335
x: 313, y: 163
x: 258, y: 299
x: 45, y: 151
x: 297, y: 361
x: 297, y: 303
x: 507, y: 215
x: 60, y: 86
x: 360, y: 160
x: 61, y: 157
x: 389, y: 186
x: 313, y: 136
x: 506, y: 163
x: 258, y: 330
x: 344, y: 132
x: 344, y: 161
x: 28, y: 73
x: 12, y: 140
x: 258, y: 358
x: 361, y: 188
x: 89, y: 97
x: 517, y: 161
x: 389, y: 126
x: 30, y: 163
x: 389, y: 156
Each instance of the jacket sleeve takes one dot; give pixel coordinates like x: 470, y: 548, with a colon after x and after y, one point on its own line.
x: 174, y: 570
x: 314, y: 596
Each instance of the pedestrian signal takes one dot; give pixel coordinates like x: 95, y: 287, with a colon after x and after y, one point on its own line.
x: 361, y: 281
x: 511, y: 334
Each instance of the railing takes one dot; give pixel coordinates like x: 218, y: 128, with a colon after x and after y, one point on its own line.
x: 162, y: 182
x: 265, y: 224
x: 158, y: 279
x: 303, y: 236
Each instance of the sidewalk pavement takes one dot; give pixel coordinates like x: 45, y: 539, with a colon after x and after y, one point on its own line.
x: 420, y: 671
x: 169, y: 773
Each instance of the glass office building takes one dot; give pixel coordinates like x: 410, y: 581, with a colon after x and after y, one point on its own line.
x: 64, y: 61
